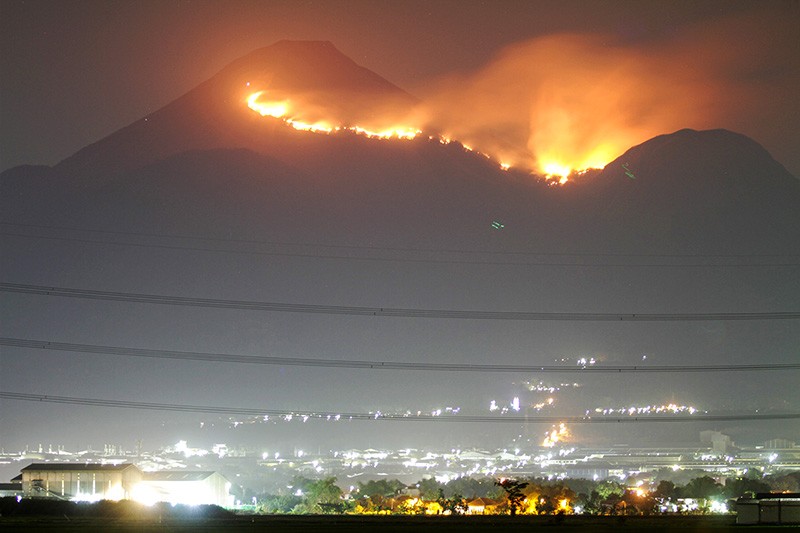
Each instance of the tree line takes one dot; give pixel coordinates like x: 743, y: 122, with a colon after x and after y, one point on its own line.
x: 520, y: 496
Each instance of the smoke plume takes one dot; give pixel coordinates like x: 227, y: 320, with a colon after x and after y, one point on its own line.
x: 574, y: 101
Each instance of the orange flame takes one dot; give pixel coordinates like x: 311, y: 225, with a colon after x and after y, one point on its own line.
x: 559, y: 434
x: 561, y: 103
x: 289, y: 112
x: 283, y: 110
x: 275, y: 109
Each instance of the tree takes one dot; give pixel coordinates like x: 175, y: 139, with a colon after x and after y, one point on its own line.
x: 560, y: 495
x: 456, y: 505
x: 380, y: 487
x: 279, y: 504
x: 513, y: 490
x: 471, y: 487
x: 702, y: 487
x: 593, y: 504
x: 578, y: 485
x: 639, y: 503
x: 609, y: 487
x: 545, y: 505
x: 665, y: 490
x: 744, y: 487
x: 323, y: 496
x: 613, y: 504
x: 428, y: 488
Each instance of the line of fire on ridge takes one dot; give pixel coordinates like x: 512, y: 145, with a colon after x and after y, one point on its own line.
x: 280, y: 109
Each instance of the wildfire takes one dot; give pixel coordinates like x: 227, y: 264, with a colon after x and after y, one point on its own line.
x: 291, y: 113
x: 275, y: 109
x: 558, y: 434
x: 284, y: 110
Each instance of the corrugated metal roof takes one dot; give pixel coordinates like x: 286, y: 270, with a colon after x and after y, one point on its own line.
x: 82, y: 467
x: 177, y: 475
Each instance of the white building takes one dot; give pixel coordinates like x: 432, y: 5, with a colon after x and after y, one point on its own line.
x: 191, y: 488
x: 94, y: 482
x: 770, y: 508
x: 74, y: 481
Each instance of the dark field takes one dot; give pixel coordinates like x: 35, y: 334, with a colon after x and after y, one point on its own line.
x: 389, y: 524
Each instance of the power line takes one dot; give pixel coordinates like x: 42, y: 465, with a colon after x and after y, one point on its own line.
x: 415, y: 250
x: 385, y: 248
x: 384, y: 311
x: 375, y: 365
x: 378, y: 416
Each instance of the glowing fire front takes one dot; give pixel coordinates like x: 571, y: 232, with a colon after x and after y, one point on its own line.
x: 283, y: 109
x: 291, y: 113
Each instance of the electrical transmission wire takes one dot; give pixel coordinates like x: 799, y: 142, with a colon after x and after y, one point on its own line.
x: 378, y: 416
x: 184, y: 301
x: 385, y: 248
x: 376, y: 365
x: 494, y: 262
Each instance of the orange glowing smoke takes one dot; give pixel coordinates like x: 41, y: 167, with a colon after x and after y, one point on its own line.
x: 561, y: 103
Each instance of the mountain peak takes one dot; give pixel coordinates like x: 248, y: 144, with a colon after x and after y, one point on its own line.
x: 304, y: 66
x: 700, y: 154
x: 319, y: 81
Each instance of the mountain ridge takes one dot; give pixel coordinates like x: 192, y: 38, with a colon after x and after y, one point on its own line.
x: 693, y: 190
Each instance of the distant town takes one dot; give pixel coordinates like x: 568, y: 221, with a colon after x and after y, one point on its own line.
x: 271, y: 481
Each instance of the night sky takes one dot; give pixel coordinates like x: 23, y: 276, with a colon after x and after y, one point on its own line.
x: 516, y: 79
x: 71, y: 73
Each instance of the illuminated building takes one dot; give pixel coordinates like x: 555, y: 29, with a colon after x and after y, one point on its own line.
x: 72, y: 481
x: 769, y: 508
x: 190, y: 488
x: 13, y: 489
x: 94, y: 482
x: 481, y: 506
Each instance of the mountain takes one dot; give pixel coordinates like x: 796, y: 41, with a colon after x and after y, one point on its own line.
x: 206, y: 164
x: 689, y: 185
x: 214, y: 115
x: 207, y: 199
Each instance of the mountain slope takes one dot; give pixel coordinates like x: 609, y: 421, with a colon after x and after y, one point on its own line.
x: 215, y: 115
x: 208, y: 163
x: 694, y: 183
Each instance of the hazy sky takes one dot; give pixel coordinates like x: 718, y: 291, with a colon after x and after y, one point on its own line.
x: 73, y: 72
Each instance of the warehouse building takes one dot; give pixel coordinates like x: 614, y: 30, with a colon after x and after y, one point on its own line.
x: 94, y: 482
x: 773, y: 508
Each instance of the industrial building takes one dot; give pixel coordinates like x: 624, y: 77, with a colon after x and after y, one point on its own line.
x: 769, y: 508
x: 94, y: 482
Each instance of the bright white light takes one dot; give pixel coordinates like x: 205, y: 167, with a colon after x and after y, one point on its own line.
x: 84, y: 497
x: 718, y: 507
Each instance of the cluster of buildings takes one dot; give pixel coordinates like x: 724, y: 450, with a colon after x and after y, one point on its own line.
x: 227, y: 476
